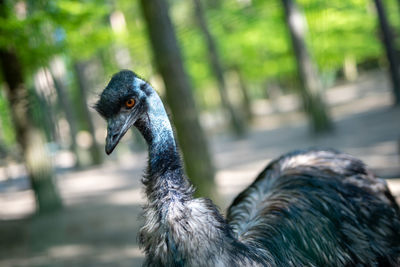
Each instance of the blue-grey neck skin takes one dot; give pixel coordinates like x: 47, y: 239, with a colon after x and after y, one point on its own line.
x: 165, y: 172
x: 157, y: 131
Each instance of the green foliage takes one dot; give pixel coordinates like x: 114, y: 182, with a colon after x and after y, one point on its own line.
x: 42, y: 29
x: 37, y: 30
x: 135, y: 37
x: 6, y: 128
x: 342, y: 28
x: 254, y: 37
x: 249, y: 34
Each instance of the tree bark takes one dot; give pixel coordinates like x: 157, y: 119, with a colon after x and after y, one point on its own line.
x: 310, y: 84
x: 389, y: 49
x: 38, y: 163
x: 66, y: 105
x: 235, y: 120
x: 41, y: 117
x: 246, y: 100
x: 179, y: 96
x: 95, y: 151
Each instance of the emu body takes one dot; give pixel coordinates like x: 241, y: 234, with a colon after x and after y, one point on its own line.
x: 307, y: 208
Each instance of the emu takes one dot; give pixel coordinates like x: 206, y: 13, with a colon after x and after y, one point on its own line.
x: 306, y: 208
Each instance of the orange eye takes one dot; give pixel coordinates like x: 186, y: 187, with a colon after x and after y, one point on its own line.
x: 130, y: 103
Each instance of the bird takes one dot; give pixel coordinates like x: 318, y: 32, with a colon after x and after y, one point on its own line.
x: 312, y: 207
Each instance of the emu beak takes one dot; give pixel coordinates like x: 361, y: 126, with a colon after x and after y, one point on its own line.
x: 116, y: 129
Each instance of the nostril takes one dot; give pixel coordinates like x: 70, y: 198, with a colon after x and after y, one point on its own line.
x: 114, y: 136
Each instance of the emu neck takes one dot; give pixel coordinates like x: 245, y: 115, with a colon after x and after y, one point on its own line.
x: 165, y: 172
x: 179, y: 230
x: 163, y: 154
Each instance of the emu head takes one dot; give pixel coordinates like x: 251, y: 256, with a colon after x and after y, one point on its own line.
x: 121, y: 104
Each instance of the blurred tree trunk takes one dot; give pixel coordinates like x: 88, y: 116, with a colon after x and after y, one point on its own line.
x: 66, y: 105
x: 235, y: 120
x: 41, y: 116
x: 273, y: 90
x: 310, y: 84
x: 390, y: 50
x: 246, y: 101
x: 37, y: 161
x: 350, y: 68
x: 95, y: 152
x: 398, y: 148
x: 168, y: 59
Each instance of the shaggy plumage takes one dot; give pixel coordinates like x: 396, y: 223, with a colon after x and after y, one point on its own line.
x: 307, y: 208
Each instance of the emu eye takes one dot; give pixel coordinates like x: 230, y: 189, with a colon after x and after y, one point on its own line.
x: 130, y: 103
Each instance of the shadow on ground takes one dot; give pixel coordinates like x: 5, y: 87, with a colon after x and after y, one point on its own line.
x: 80, y: 235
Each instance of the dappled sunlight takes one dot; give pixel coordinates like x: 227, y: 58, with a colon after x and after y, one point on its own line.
x: 77, y: 186
x: 65, y: 159
x: 17, y: 205
x: 383, y: 155
x: 240, y: 175
x: 84, y: 139
x: 103, y: 253
x: 114, y: 255
x: 394, y: 186
x: 90, y: 182
x: 112, y: 180
x: 69, y: 251
x: 12, y: 170
x: 362, y: 105
x: 81, y: 255
x: 367, y: 93
x: 126, y: 197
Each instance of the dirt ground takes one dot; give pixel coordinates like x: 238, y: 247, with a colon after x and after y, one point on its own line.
x: 102, y: 214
